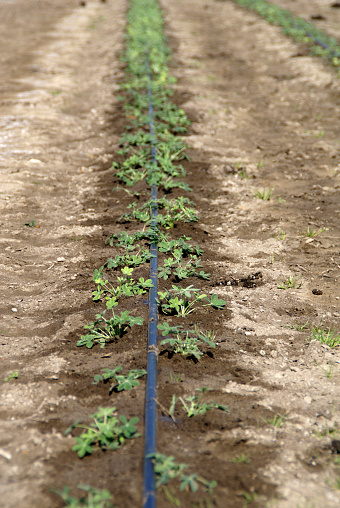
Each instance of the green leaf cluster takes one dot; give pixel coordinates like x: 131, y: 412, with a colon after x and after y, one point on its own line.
x: 167, y: 469
x: 121, y: 381
x: 95, y: 498
x: 108, y: 432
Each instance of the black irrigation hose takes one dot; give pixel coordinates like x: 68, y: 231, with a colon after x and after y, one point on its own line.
x: 149, y: 498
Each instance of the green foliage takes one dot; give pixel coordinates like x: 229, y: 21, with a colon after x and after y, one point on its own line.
x: 107, y: 432
x: 30, y: 224
x: 13, y: 375
x: 193, y: 404
x: 277, y: 421
x: 181, y: 269
x: 325, y: 336
x: 95, y: 498
x: 241, y: 459
x: 174, y: 210
x: 264, y: 194
x: 103, y: 331
x: 127, y: 286
x: 313, y: 233
x: 183, y: 301
x: 121, y: 381
x: 290, y: 282
x: 297, y: 28
x: 131, y: 260
x: 167, y: 469
x: 186, y: 342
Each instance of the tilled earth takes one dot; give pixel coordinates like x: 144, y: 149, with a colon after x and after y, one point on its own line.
x: 264, y: 116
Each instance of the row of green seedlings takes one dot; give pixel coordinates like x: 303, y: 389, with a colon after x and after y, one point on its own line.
x: 108, y: 430
x: 297, y: 28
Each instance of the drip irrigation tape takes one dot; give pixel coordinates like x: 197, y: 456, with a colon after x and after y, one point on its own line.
x: 317, y: 41
x: 149, y: 500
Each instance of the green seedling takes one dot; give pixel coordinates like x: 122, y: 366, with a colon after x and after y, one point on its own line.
x: 31, y: 224
x: 241, y: 459
x: 127, y: 286
x: 332, y: 432
x: 130, y: 260
x: 165, y: 245
x: 193, y: 404
x: 278, y: 421
x: 186, y: 342
x: 95, y: 498
x: 298, y: 29
x: 167, y: 469
x: 313, y: 233
x: 290, y: 282
x: 174, y: 210
x: 103, y: 331
x: 183, y: 301
x: 281, y: 236
x: 10, y: 377
x: 121, y: 381
x: 249, y: 497
x: 327, y: 372
x: 170, y: 494
x: 264, y: 194
x: 175, y: 378
x: 325, y: 336
x: 298, y: 327
x: 182, y: 269
x: 107, y: 432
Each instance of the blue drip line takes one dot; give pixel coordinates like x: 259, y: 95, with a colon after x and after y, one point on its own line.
x: 315, y: 39
x: 149, y: 498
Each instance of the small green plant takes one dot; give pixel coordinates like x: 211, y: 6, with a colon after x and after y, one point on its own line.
x: 170, y: 494
x: 290, y: 282
x: 327, y: 372
x: 281, y: 236
x: 183, y: 301
x: 127, y: 286
x: 175, y: 210
x: 181, y: 269
x: 325, y: 336
x: 121, y: 381
x: 175, y: 378
x: 103, y: 331
x: 108, y: 432
x: 277, y: 421
x: 313, y: 233
x: 167, y: 469
x: 95, y: 498
x: 130, y: 260
x: 186, y: 342
x: 10, y: 377
x: 333, y: 432
x: 31, y: 224
x: 193, y: 404
x: 298, y: 327
x: 264, y: 194
x: 241, y: 459
x: 249, y: 497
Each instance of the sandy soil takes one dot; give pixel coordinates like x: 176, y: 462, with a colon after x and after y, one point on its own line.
x: 264, y: 115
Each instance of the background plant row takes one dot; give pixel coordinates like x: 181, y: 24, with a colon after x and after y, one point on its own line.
x: 297, y: 28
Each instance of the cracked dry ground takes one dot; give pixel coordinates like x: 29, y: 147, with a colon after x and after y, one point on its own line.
x: 264, y: 115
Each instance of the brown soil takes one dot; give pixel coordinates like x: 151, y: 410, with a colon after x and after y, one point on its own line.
x: 265, y: 115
